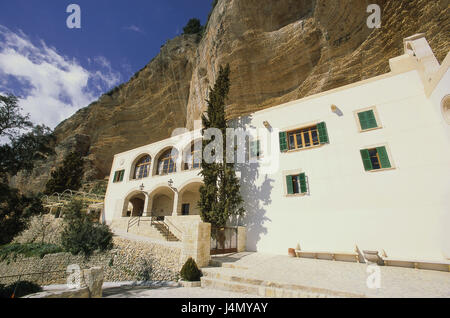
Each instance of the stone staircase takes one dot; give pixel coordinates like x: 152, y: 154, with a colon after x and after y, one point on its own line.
x: 145, y: 228
x: 239, y: 279
x: 165, y: 232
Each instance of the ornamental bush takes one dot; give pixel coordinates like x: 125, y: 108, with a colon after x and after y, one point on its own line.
x: 190, y: 271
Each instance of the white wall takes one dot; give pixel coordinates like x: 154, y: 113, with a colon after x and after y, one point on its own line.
x: 400, y: 210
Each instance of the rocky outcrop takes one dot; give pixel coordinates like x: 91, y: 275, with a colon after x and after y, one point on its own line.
x: 278, y: 50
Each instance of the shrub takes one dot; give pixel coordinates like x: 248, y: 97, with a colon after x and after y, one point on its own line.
x: 194, y: 26
x: 19, y: 289
x: 81, y: 235
x: 11, y: 251
x: 190, y: 271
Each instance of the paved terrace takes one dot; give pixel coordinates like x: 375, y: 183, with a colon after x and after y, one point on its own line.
x: 336, y: 276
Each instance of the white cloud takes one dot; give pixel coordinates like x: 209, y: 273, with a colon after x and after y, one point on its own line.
x: 134, y: 28
x: 52, y: 86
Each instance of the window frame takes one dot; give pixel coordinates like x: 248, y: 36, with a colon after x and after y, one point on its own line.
x: 162, y: 162
x: 139, y: 165
x: 295, y: 173
x: 119, y: 176
x: 376, y: 115
x: 260, y: 153
x: 191, y: 157
x: 300, y: 128
x: 389, y: 157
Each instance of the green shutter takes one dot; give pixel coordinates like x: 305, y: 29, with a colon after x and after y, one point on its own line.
x: 303, y: 185
x: 254, y: 148
x: 290, y: 186
x: 115, y: 177
x: 122, y: 174
x: 384, y: 158
x: 367, y: 120
x: 366, y: 160
x: 323, y: 133
x: 283, y: 142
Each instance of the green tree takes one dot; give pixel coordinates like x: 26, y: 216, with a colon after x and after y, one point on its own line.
x: 220, y: 197
x: 11, y: 119
x: 194, y: 26
x: 20, y: 152
x: 67, y: 176
x: 81, y: 235
x: 15, y: 210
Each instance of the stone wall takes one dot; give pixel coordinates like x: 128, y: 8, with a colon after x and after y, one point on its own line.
x: 128, y: 261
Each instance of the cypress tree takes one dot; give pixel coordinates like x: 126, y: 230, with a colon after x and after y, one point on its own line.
x: 220, y: 197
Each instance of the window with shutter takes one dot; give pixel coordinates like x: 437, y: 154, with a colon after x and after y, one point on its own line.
x: 375, y: 159
x: 384, y: 158
x: 283, y: 142
x: 307, y: 137
x: 290, y: 185
x: 367, y: 120
x: 323, y: 133
x: 118, y: 176
x: 255, y: 149
x: 303, y: 185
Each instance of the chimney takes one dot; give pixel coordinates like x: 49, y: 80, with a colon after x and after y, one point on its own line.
x: 417, y: 46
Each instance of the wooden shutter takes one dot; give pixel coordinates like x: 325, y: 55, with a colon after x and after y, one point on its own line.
x: 115, y: 176
x: 323, y: 133
x: 283, y: 142
x: 303, y: 185
x: 290, y: 185
x: 122, y: 174
x: 367, y: 120
x: 366, y: 160
x: 254, y: 148
x: 384, y: 158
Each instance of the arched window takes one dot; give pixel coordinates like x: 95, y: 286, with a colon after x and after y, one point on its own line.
x: 167, y: 162
x: 193, y: 156
x: 142, y: 169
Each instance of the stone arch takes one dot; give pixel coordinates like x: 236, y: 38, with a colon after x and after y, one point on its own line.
x: 162, y: 152
x: 134, y: 204
x: 188, y: 197
x: 445, y: 107
x: 161, y: 201
x: 135, y: 162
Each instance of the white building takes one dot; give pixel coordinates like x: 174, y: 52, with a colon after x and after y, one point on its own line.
x: 367, y: 164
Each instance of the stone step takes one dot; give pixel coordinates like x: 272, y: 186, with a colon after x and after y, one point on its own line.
x: 238, y: 281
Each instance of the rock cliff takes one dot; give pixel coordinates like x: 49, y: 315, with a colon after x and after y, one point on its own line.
x: 278, y: 50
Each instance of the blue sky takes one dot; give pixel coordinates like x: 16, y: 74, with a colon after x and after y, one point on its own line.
x: 57, y: 70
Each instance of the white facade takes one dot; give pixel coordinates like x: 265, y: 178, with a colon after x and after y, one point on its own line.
x: 403, y: 210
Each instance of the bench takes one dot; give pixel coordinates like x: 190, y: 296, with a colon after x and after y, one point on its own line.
x: 317, y: 254
x: 441, y: 265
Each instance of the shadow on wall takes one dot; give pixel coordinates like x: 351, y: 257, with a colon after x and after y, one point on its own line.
x: 256, y: 198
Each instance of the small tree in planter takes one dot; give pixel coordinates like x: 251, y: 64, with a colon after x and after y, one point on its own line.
x: 190, y: 271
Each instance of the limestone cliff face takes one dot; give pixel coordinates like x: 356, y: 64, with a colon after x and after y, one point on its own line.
x: 278, y: 50
x: 288, y: 49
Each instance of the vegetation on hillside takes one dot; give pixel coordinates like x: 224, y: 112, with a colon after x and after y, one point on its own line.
x: 26, y: 144
x: 81, y: 235
x: 68, y: 176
